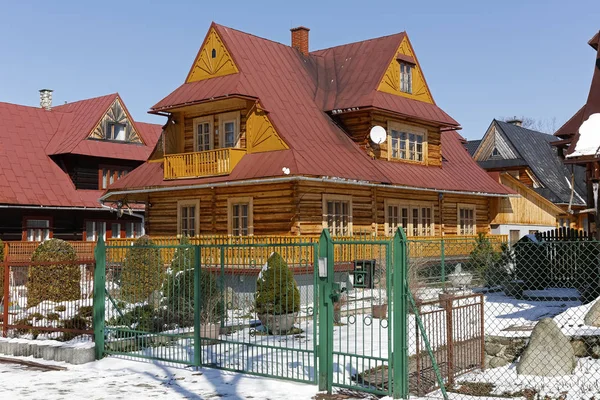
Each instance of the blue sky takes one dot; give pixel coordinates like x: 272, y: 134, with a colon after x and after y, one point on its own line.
x: 481, y: 59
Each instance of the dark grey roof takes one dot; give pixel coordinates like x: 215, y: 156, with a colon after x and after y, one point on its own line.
x: 502, y: 163
x: 541, y: 157
x: 472, y: 145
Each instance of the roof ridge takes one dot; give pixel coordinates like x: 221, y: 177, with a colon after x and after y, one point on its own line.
x: 527, y: 129
x: 251, y: 34
x: 357, y: 41
x: 115, y: 94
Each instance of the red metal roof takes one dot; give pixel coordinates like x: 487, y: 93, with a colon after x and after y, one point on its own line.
x: 284, y: 81
x: 30, y: 177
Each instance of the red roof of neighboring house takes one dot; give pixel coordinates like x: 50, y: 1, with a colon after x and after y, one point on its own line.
x: 29, y: 135
x: 290, y: 86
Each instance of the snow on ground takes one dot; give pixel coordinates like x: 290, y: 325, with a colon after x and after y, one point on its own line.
x: 113, y: 378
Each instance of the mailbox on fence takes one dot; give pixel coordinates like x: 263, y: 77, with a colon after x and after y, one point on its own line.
x: 364, y: 272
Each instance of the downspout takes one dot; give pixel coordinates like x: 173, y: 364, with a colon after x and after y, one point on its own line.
x: 140, y: 216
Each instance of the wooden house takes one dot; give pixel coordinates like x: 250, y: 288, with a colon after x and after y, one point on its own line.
x: 264, y: 138
x: 550, y: 194
x: 569, y: 135
x: 57, y: 161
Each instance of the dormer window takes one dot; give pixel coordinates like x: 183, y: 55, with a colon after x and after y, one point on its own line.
x: 406, y: 142
x: 115, y: 131
x: 406, y: 77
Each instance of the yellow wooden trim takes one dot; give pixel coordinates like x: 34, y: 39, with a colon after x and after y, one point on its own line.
x: 390, y: 83
x: 231, y: 201
x: 261, y: 135
x: 184, y: 203
x: 336, y: 197
x: 206, y: 66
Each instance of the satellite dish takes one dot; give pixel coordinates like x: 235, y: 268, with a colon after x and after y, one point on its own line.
x: 378, y: 134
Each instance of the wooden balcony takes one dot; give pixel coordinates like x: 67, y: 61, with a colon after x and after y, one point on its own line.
x: 202, y: 163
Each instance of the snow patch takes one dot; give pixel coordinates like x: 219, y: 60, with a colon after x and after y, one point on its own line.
x: 589, y: 138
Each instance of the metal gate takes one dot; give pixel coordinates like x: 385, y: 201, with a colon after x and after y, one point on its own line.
x: 198, y: 305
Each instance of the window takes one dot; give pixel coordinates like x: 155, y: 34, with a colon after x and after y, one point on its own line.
x: 115, y: 230
x: 203, y: 133
x: 514, y: 236
x: 133, y: 230
x: 109, y: 175
x: 337, y: 215
x: 407, y: 143
x: 214, y: 53
x: 466, y: 219
x: 495, y: 153
x: 230, y: 129
x: 240, y: 216
x: 94, y: 230
x: 115, y: 131
x: 406, y: 77
x: 188, y: 215
x: 36, y: 229
x: 416, y: 219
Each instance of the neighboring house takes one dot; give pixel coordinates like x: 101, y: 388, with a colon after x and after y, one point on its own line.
x: 569, y: 133
x: 269, y: 139
x: 57, y: 162
x: 526, y: 161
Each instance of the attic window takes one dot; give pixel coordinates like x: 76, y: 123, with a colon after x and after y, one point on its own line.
x: 115, y: 131
x: 406, y: 77
x: 214, y: 53
x: 495, y: 153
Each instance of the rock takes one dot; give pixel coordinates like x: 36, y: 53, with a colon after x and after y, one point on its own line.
x: 498, y: 362
x: 592, y: 318
x: 549, y: 352
x: 493, y: 349
x: 579, y: 348
x: 595, y: 351
x: 514, y: 350
x: 486, y: 361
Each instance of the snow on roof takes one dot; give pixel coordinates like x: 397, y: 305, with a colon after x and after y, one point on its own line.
x: 589, y: 138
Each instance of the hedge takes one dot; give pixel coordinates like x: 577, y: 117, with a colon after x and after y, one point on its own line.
x: 143, y: 271
x: 54, y: 282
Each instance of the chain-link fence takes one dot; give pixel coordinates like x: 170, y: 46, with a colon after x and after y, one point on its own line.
x: 507, y: 322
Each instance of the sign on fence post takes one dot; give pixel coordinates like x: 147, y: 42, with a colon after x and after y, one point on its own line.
x: 399, y: 317
x: 99, y: 294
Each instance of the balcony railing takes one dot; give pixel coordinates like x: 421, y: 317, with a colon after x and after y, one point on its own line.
x: 203, y: 163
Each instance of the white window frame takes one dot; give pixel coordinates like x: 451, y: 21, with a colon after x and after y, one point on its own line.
x: 334, y: 231
x: 189, y: 203
x: 211, y: 141
x: 95, y: 236
x: 406, y: 77
x: 459, y: 229
x: 130, y: 231
x: 409, y: 229
x: 407, y: 130
x: 110, y: 131
x: 231, y: 202
x: 224, y: 118
x: 38, y: 233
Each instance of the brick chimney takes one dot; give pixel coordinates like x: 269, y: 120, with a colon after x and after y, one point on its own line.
x: 300, y: 39
x: 46, y: 99
x: 515, y: 121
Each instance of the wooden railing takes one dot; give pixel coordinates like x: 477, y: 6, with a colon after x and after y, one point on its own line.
x: 21, y: 252
x: 203, y: 163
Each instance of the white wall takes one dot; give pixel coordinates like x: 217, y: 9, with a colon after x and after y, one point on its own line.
x: 523, y: 229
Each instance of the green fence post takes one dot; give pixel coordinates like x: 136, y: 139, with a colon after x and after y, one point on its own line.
x: 400, y: 318
x: 99, y: 297
x: 443, y: 259
x: 325, y: 312
x: 197, y: 306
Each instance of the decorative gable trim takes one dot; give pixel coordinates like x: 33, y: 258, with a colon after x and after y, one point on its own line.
x: 390, y: 83
x: 261, y: 133
x: 116, y: 114
x: 213, y: 59
x: 495, y: 139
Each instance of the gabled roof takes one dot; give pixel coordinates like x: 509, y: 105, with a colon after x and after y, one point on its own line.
x: 290, y: 86
x: 472, y: 145
x: 536, y: 152
x: 570, y: 130
x: 29, y: 136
